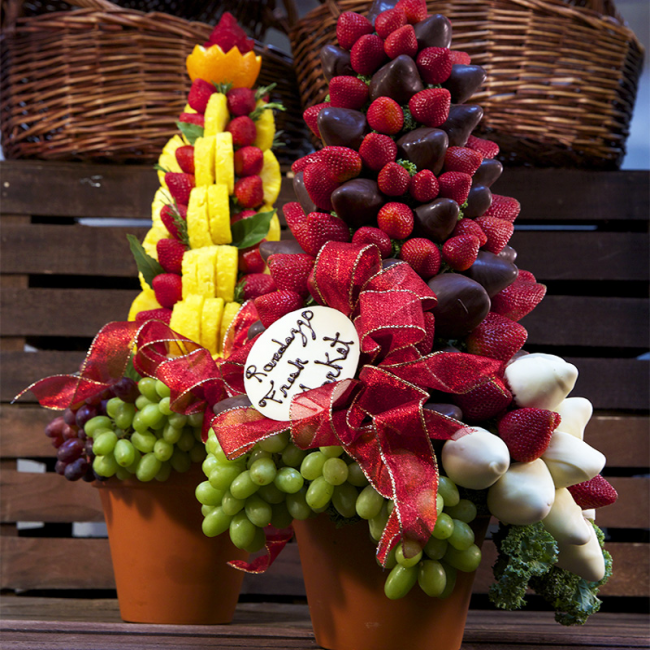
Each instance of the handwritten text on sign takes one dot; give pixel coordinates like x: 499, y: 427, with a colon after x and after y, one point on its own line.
x: 305, y: 349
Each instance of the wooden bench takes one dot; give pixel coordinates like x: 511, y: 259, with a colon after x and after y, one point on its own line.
x: 63, y: 276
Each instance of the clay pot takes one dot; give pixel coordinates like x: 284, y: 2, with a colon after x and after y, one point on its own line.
x: 166, y: 570
x: 345, y: 592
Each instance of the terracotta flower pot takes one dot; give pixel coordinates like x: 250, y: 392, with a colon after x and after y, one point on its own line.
x: 166, y: 569
x: 345, y: 592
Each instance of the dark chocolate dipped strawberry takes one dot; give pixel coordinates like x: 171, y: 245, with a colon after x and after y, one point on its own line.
x: 462, y: 120
x: 357, y: 201
x: 436, y: 220
x: 343, y: 127
x: 424, y: 147
x: 493, y: 273
x: 487, y: 173
x: 434, y: 31
x: 464, y: 81
x: 335, y: 61
x: 399, y: 79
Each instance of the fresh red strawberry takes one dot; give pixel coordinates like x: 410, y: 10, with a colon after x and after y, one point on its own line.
x: 244, y: 214
x: 255, y: 285
x: 460, y: 252
x: 497, y: 231
x: 377, y: 150
x: 249, y: 191
x: 164, y: 315
x: 527, y: 432
x: 243, y: 131
x: 460, y: 57
x: 273, y: 306
x: 434, y: 64
x: 342, y: 163
x: 311, y: 116
x: 350, y: 27
x: 425, y: 346
x: 415, y: 10
x: 484, y: 402
x: 422, y: 255
x: 486, y: 148
x: 431, y: 106
x: 170, y: 255
x: 388, y: 21
x: 318, y: 229
x: 169, y: 215
x: 496, y: 337
x: 250, y: 260
x: 291, y: 271
x: 401, y: 41
x: 228, y: 34
x: 396, y: 220
x: 348, y: 92
x: 503, y: 207
x: 367, y: 54
x: 248, y: 161
x: 455, y: 185
x: 199, y: 95
x: 185, y: 158
x: 462, y: 159
x: 518, y: 299
x: 385, y: 115
x: 525, y: 275
x: 180, y: 185
x: 594, y: 493
x: 293, y: 214
x: 370, y: 235
x: 319, y: 185
x: 300, y: 164
x: 168, y: 288
x: 424, y: 186
x: 470, y: 227
x: 393, y: 179
x: 192, y: 118
x: 241, y: 101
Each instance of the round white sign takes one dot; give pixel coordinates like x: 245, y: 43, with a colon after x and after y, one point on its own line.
x: 308, y: 348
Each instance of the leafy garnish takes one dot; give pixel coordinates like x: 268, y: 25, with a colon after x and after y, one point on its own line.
x: 257, y: 113
x: 192, y: 132
x: 264, y: 90
x: 181, y: 225
x: 147, y: 265
x: 160, y: 168
x: 130, y: 370
x: 409, y: 121
x: 365, y: 78
x: 223, y: 87
x: 410, y: 167
x: 277, y: 143
x: 252, y: 230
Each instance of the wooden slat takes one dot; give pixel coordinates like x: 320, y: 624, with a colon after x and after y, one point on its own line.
x: 21, y: 432
x: 625, y: 440
x: 632, y: 508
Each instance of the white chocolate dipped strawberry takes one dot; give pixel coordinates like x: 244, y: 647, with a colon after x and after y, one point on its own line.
x: 571, y: 461
x: 565, y: 521
x: 585, y: 560
x: 575, y: 413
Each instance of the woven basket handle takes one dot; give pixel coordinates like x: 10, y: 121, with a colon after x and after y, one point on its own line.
x: 97, y: 5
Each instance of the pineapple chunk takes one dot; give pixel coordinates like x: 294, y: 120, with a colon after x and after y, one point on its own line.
x: 271, y: 177
x: 206, y: 271
x: 224, y: 162
x: 189, y: 270
x: 144, y: 301
x: 216, y: 114
x: 188, y: 109
x: 211, y: 323
x: 227, y: 263
x: 204, y: 149
x: 198, y: 225
x: 186, y: 317
x: 265, y: 128
x: 160, y: 199
x: 150, y: 240
x: 274, y: 233
x: 167, y: 159
x: 219, y: 214
x: 229, y: 312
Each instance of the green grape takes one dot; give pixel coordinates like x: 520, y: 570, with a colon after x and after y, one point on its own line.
x: 230, y: 505
x: 143, y: 442
x: 356, y: 475
x: 450, y: 574
x: 159, y: 426
x: 164, y: 472
x: 97, y: 423
x: 209, y: 465
x: 197, y: 432
x: 180, y: 461
x: 408, y: 561
x: 332, y: 452
x: 104, y: 443
x: 258, y: 541
x: 163, y: 450
x: 242, y: 530
x: 171, y: 434
x: 138, y: 423
x: 444, y: 527
x: 271, y: 494
x: 98, y: 432
x: 432, y: 577
x: 216, y: 522
x: 164, y: 407
x: 147, y: 387
x: 400, y: 581
x: 195, y: 419
x: 243, y: 486
x: 369, y: 503
x: 197, y: 454
x: 177, y: 420
x: 258, y: 454
x: 288, y: 480
x: 312, y: 465
x: 124, y: 416
x: 390, y: 504
x: 391, y: 560
x: 223, y: 475
x: 148, y: 467
x: 292, y: 456
x: 112, y: 405
x: 122, y: 473
x: 212, y: 445
x: 162, y: 389
x: 207, y: 495
x: 435, y: 548
x: 449, y: 491
x: 335, y: 471
x: 378, y: 523
x: 297, y: 505
x: 466, y: 561
x: 440, y: 503
x: 105, y: 465
x: 281, y: 517
x: 276, y: 443
x: 124, y: 452
x: 151, y: 415
x: 319, y: 493
x: 258, y: 511
x: 464, y: 511
x: 141, y: 402
x: 344, y: 499
x: 462, y: 537
x: 206, y: 510
x: 133, y: 467
x: 263, y: 471
x: 186, y: 441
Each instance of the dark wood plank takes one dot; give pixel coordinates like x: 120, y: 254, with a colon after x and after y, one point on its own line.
x: 625, y: 440
x: 21, y: 431
x: 632, y: 509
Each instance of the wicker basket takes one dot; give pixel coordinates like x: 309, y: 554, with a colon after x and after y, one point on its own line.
x: 562, y: 76
x: 104, y: 83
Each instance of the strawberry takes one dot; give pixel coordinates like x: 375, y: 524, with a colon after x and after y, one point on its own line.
x: 342, y: 163
x: 311, y: 116
x: 228, y: 34
x: 290, y: 272
x: 377, y: 150
x: 319, y: 185
x: 401, y: 41
x: 370, y: 235
x: 518, y: 299
x: 396, y: 220
x: 180, y: 185
x: 594, y: 493
x: 250, y: 260
x: 424, y: 186
x: 241, y: 101
x: 248, y: 161
x: 497, y: 231
x: 462, y: 159
x: 496, y: 337
x: 165, y: 315
x: 527, y: 432
x: 385, y: 115
x: 348, y: 92
x: 431, y: 106
x: 486, y: 148
x: 169, y: 215
x: 244, y: 214
x: 273, y: 306
x: 455, y: 185
x: 243, y: 131
x: 249, y: 191
x: 185, y: 158
x: 300, y: 164
x: 170, y: 255
x: 393, y: 179
x: 470, y: 227
x: 168, y: 288
x: 503, y: 207
x: 192, y: 118
x: 318, y: 229
x: 434, y: 64
x: 255, y: 285
x: 350, y: 27
x: 460, y: 252
x: 293, y: 214
x: 484, y: 402
x: 415, y: 10
x: 390, y: 20
x: 200, y: 93
x: 367, y: 54
x: 422, y: 255
x: 525, y: 275
x: 459, y: 57
x: 425, y: 346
